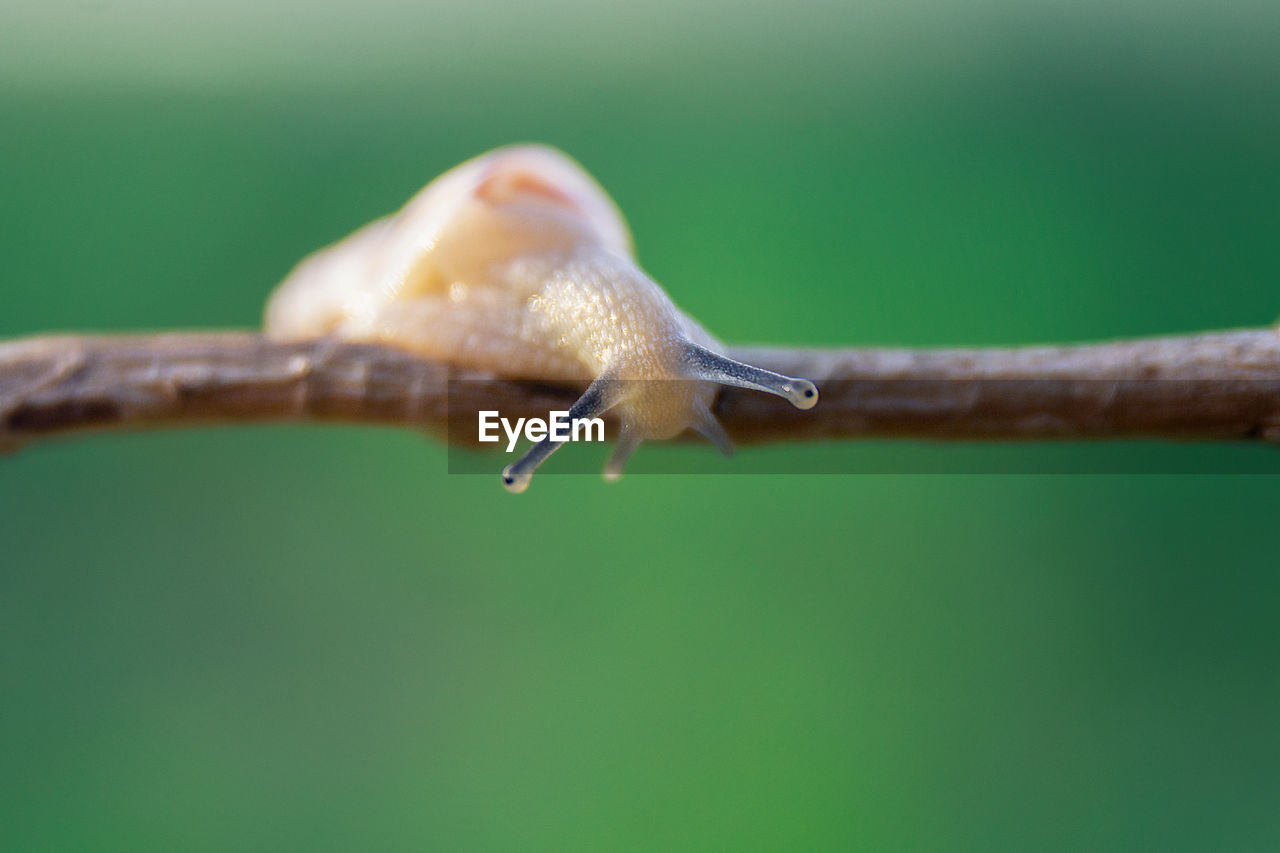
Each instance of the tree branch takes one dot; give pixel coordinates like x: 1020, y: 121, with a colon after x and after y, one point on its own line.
x: 1223, y: 385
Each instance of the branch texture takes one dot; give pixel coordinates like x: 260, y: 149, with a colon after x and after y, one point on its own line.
x: 1223, y: 386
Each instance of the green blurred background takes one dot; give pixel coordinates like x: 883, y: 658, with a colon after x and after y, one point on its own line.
x: 313, y: 638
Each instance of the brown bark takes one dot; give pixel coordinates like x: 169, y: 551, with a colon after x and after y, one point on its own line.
x: 1223, y: 385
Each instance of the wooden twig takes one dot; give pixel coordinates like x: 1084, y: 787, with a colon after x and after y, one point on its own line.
x: 1223, y: 385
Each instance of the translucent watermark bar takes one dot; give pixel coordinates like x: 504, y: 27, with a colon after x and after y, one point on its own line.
x: 918, y: 426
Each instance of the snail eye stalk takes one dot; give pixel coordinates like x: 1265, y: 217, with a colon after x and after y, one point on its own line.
x: 702, y: 363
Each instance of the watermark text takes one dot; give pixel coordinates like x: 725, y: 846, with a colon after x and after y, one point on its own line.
x: 558, y: 427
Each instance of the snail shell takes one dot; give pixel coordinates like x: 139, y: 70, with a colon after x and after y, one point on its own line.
x: 518, y: 263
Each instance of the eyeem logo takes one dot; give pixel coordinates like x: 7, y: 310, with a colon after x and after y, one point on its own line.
x: 558, y: 427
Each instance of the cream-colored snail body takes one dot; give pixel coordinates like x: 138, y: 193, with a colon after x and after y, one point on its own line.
x: 517, y: 262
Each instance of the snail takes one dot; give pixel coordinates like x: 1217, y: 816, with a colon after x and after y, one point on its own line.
x: 517, y: 262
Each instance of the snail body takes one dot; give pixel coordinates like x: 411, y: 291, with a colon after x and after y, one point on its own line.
x: 518, y: 263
